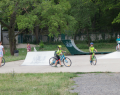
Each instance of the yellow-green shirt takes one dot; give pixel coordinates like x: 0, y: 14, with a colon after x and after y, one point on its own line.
x: 91, y: 49
x: 59, y: 52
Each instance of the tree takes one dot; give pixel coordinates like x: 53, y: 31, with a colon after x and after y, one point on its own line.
x: 54, y: 16
x: 10, y: 14
x: 107, y: 11
x: 116, y: 6
x: 83, y: 11
x: 33, y: 13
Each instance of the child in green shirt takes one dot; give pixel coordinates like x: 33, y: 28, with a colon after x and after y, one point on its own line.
x: 91, y: 50
x: 58, y: 53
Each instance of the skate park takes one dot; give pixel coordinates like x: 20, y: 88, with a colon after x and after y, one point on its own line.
x: 38, y: 62
x: 37, y: 26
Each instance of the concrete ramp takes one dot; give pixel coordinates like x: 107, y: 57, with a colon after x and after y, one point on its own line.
x: 74, y: 50
x: 111, y: 55
x: 73, y: 43
x: 38, y: 58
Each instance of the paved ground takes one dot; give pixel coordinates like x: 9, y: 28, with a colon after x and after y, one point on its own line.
x: 97, y: 84
x: 80, y: 63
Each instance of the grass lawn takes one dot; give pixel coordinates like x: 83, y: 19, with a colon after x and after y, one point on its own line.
x: 101, y: 47
x: 36, y: 84
x: 8, y: 57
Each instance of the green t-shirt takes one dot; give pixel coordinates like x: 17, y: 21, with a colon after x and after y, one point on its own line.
x: 92, y: 49
x: 59, y: 52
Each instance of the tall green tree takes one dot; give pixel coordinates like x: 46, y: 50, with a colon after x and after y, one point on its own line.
x: 10, y: 11
x: 116, y: 6
x: 83, y: 11
x: 107, y: 12
x: 32, y: 13
x: 53, y: 15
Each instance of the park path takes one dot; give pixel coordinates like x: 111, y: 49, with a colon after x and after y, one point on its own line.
x: 80, y: 63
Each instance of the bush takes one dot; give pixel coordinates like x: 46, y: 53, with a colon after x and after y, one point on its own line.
x: 41, y: 44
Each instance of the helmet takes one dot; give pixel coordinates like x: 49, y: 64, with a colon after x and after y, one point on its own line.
x: 59, y: 46
x: 91, y: 43
x: 117, y: 35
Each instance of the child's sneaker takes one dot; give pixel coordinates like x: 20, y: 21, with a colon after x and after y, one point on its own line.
x: 61, y: 65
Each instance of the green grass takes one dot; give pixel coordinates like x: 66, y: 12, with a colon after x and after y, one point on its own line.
x: 101, y: 47
x: 8, y: 57
x: 36, y: 84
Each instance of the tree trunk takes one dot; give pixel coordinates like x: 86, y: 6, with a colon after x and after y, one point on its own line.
x: 37, y: 34
x: 94, y: 24
x: 11, y: 34
x: 75, y: 36
x: 88, y: 37
x: 12, y: 41
x: 1, y: 34
x: 2, y: 37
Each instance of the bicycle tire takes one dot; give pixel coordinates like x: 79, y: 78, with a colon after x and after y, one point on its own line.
x: 94, y: 60
x: 116, y: 48
x: 52, y: 61
x: 67, y: 62
x: 3, y: 62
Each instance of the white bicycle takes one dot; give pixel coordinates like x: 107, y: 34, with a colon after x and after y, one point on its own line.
x: 118, y: 47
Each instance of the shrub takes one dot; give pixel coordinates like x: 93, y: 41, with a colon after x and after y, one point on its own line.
x: 41, y: 44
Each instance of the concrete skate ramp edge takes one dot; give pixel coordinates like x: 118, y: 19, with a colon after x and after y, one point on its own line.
x: 38, y: 58
x: 74, y: 50
x: 73, y: 43
x: 112, y: 55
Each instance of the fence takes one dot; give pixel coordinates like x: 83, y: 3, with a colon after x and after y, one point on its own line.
x: 82, y: 37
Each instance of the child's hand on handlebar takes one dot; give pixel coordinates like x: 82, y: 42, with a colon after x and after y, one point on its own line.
x: 64, y: 51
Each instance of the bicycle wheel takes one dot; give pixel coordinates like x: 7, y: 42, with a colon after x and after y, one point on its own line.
x: 94, y: 60
x: 3, y: 62
x: 67, y: 62
x: 117, y: 48
x: 52, y: 61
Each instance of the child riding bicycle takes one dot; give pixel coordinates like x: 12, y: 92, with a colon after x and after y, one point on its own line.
x: 58, y: 53
x: 91, y: 50
x: 118, y: 42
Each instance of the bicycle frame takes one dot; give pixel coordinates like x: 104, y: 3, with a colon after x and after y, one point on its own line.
x: 117, y: 47
x: 93, y: 55
x: 62, y: 57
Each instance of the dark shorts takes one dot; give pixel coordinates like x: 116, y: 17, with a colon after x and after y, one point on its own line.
x: 57, y: 57
x: 91, y: 53
x: 119, y: 44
